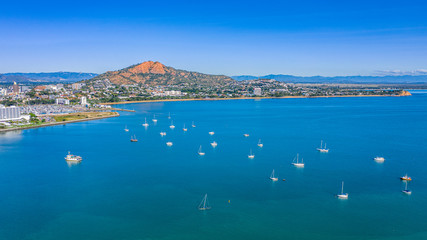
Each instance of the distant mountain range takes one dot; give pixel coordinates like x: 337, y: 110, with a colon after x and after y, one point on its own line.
x: 45, y: 77
x: 155, y: 73
x: 405, y: 79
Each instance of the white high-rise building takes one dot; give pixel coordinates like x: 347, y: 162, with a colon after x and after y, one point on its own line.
x: 257, y: 91
x: 10, y: 113
x: 83, y: 100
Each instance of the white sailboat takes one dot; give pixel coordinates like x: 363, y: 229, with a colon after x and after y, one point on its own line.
x: 184, y: 128
x: 169, y: 144
x: 200, y: 152
x: 297, y: 163
x: 211, y: 133
x: 145, y: 124
x: 260, y: 144
x: 204, y: 204
x: 246, y: 135
x: 342, y: 195
x: 407, y: 191
x: 322, y: 148
x: 193, y: 125
x: 379, y: 159
x: 162, y: 134
x: 126, y: 128
x: 214, y: 144
x: 169, y: 117
x: 172, y: 126
x: 272, y: 177
x: 251, y: 155
x: 154, y: 118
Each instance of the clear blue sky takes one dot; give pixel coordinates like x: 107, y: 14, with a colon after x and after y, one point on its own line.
x: 302, y: 37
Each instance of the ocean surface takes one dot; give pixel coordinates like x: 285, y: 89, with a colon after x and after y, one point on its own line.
x: 146, y: 190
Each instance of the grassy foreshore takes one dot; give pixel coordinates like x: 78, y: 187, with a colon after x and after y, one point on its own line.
x: 405, y: 93
x: 63, y: 119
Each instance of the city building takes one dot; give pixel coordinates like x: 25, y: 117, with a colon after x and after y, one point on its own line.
x: 76, y: 86
x: 257, y: 91
x: 83, y: 101
x: 9, y: 113
x: 62, y: 101
x: 15, y: 88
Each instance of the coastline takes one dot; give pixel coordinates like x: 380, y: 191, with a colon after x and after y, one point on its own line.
x: 58, y: 123
x: 249, y: 98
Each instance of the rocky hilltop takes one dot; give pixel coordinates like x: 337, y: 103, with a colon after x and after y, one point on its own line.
x: 155, y: 73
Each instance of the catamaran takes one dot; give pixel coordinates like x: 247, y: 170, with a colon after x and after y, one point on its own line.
x: 407, y: 191
x: 200, y: 152
x: 246, y: 135
x: 192, y: 124
x: 145, y: 124
x: 184, y: 128
x: 172, y: 126
x: 260, y: 144
x: 214, y: 144
x: 342, y: 195
x: 126, y: 128
x: 154, y: 118
x: 169, y: 144
x: 162, y: 134
x: 204, y: 204
x: 272, y: 177
x: 73, y: 158
x: 133, y: 138
x: 322, y: 149
x: 379, y: 159
x: 251, y: 155
x: 211, y: 133
x: 406, y: 178
x: 297, y: 163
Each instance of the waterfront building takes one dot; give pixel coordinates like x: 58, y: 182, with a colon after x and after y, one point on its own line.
x: 62, y: 101
x: 257, y: 91
x: 9, y: 113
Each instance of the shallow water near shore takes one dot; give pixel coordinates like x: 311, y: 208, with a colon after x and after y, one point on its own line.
x: 146, y: 190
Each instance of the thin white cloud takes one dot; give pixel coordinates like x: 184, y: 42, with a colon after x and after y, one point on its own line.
x: 401, y: 73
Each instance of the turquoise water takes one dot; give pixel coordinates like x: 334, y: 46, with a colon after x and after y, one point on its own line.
x: 146, y: 190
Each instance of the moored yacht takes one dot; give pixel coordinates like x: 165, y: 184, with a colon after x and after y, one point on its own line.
x: 193, y: 125
x: 246, y: 135
x: 73, y: 158
x: 184, y: 128
x: 322, y: 148
x: 251, y: 155
x: 406, y: 178
x: 162, y: 134
x: 169, y: 144
x: 379, y: 159
x: 133, y: 139
x: 342, y: 195
x: 407, y: 191
x: 172, y: 126
x: 260, y: 144
x: 145, y: 124
x: 272, y: 177
x: 214, y: 144
x: 211, y: 133
x: 126, y: 128
x: 297, y: 163
x: 154, y: 119
x: 204, y: 204
x: 200, y: 152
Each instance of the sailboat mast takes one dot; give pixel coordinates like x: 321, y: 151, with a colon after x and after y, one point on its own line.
x: 342, y: 188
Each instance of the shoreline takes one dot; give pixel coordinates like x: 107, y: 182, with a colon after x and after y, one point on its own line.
x: 58, y: 123
x: 248, y: 98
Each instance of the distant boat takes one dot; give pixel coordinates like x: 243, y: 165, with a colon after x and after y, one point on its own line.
x: 169, y: 144
x: 379, y: 159
x: 251, y: 155
x: 211, y: 133
x: 162, y: 134
x: 296, y: 162
x: 200, y: 152
x: 406, y: 178
x: 407, y: 191
x: 154, y: 118
x: 322, y: 148
x: 192, y: 124
x: 133, y: 139
x: 272, y: 177
x: 246, y: 135
x: 260, y: 144
x: 172, y: 126
x: 169, y: 117
x: 342, y: 195
x: 214, y: 144
x: 184, y: 128
x: 145, y: 124
x: 73, y: 158
x: 126, y: 129
x: 204, y: 204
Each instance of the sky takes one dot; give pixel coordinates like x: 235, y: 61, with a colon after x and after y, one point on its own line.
x: 304, y: 38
